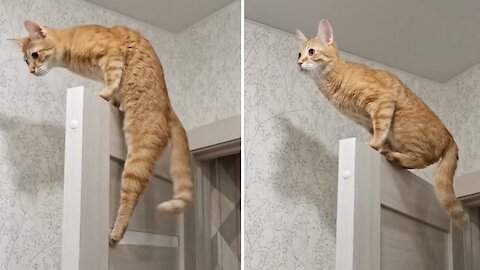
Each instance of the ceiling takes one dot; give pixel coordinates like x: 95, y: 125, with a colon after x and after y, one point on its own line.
x: 434, y: 39
x: 171, y: 15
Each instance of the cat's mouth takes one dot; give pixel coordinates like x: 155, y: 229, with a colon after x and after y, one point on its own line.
x: 41, y: 72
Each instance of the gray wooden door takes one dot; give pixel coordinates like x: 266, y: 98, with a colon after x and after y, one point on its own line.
x: 94, y: 155
x: 387, y: 217
x: 225, y: 213
x: 217, y: 215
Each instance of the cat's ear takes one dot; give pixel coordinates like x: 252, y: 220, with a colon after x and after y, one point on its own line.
x: 325, y: 33
x: 300, y: 36
x: 35, y: 30
x: 20, y: 41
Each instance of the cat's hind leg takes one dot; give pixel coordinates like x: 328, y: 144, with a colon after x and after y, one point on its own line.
x: 179, y: 170
x: 408, y: 161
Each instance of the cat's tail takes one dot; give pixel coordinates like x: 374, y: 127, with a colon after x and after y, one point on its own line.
x: 444, y: 185
x: 179, y: 169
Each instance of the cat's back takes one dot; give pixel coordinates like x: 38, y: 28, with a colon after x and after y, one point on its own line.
x: 379, y: 80
x: 101, y: 35
x: 409, y: 107
x: 384, y: 84
x: 96, y: 41
x: 363, y: 73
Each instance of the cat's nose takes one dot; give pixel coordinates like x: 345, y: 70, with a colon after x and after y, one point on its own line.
x: 32, y: 71
x: 300, y: 63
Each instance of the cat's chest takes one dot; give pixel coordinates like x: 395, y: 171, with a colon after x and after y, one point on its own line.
x: 90, y: 71
x: 344, y: 102
x: 349, y: 107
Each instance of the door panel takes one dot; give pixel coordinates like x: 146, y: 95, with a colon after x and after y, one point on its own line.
x: 94, y: 156
x: 387, y: 217
x: 129, y: 257
x: 409, y: 244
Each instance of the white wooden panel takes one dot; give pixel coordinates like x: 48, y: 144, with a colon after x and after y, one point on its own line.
x: 409, y: 244
x: 149, y: 239
x: 85, y: 207
x: 133, y: 257
x: 407, y: 193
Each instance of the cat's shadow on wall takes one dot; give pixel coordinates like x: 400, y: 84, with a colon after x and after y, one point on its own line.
x: 33, y: 162
x: 307, y: 171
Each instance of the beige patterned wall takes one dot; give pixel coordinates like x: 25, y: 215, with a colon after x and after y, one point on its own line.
x: 208, y: 68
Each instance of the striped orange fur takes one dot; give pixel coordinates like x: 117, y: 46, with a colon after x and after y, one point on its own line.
x: 134, y: 79
x: 404, y: 129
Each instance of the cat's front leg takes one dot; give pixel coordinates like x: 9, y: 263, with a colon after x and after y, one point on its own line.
x: 113, y: 74
x: 381, y: 114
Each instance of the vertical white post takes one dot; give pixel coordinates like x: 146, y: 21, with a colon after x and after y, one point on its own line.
x: 86, y: 182
x: 358, y: 207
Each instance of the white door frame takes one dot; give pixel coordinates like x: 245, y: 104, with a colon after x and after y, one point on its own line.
x: 86, y: 182
x: 466, y: 243
x: 208, y: 142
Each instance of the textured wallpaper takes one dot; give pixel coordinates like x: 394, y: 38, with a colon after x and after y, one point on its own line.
x: 459, y: 106
x: 32, y: 113
x: 291, y: 152
x: 208, y: 67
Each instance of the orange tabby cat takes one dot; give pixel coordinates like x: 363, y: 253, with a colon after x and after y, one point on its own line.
x: 134, y: 79
x: 404, y: 129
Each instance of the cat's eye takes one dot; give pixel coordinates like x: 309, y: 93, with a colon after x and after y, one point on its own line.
x: 35, y: 55
x: 26, y: 61
x: 299, y: 55
x: 311, y: 52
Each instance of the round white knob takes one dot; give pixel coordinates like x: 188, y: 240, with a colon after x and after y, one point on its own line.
x: 74, y: 124
x: 346, y: 174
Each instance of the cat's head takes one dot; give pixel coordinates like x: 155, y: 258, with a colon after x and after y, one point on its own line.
x: 317, y: 56
x: 38, y: 48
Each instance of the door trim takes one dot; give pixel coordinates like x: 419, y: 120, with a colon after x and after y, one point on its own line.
x: 86, y: 182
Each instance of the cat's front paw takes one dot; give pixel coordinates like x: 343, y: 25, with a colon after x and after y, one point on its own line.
x: 105, y: 95
x: 375, y: 144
